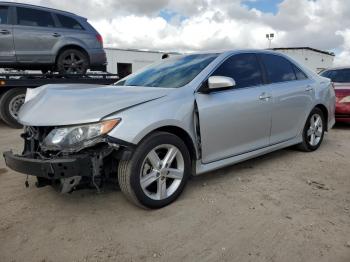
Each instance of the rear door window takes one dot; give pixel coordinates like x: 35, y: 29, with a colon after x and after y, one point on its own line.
x: 4, y: 10
x: 278, y: 68
x: 243, y: 68
x: 34, y: 17
x: 69, y: 22
x: 299, y: 74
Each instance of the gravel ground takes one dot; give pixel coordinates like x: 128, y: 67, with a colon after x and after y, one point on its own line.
x: 284, y: 206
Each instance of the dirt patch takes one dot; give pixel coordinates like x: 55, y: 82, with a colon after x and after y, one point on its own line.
x: 3, y: 170
x: 285, y: 206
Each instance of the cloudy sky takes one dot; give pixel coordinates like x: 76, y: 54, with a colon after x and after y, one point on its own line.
x: 187, y: 25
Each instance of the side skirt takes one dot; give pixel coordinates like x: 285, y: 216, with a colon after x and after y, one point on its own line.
x: 204, y: 168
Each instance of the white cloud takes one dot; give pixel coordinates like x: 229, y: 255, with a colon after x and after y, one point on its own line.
x: 343, y: 57
x: 201, y: 32
x: 216, y: 24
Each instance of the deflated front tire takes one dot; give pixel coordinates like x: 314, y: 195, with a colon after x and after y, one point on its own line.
x: 157, y: 172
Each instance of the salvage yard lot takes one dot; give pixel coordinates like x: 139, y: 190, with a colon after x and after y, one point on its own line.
x: 285, y: 206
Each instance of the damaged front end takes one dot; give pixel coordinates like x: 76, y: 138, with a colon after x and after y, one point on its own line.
x: 69, y: 158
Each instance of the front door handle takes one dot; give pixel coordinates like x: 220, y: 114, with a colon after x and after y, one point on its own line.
x: 5, y: 32
x: 308, y: 88
x: 265, y: 96
x: 56, y: 35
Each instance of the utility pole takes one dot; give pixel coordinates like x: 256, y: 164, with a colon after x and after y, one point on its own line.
x: 270, y: 37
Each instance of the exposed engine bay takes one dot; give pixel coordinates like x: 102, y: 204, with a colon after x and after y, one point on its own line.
x: 66, y: 171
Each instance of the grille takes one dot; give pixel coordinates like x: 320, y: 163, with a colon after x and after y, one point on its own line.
x: 33, y: 136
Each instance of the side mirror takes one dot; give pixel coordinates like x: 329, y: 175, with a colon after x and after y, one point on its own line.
x: 219, y: 82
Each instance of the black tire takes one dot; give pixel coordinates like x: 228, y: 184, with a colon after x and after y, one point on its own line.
x: 129, y: 171
x: 72, y: 61
x: 306, y: 146
x: 6, y: 101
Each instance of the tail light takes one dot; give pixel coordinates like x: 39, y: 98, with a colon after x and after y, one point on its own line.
x: 99, y: 39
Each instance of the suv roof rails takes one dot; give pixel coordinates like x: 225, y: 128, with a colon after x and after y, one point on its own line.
x: 38, y: 6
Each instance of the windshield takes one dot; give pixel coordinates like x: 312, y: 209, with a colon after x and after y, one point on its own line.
x: 172, y: 72
x: 338, y: 76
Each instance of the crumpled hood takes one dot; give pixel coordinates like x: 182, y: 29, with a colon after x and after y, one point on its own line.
x: 70, y: 104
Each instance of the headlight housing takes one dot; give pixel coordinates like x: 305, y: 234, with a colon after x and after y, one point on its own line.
x: 345, y: 100
x: 75, y: 138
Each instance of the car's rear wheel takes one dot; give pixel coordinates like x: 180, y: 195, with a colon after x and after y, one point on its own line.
x: 10, y: 103
x: 313, y: 131
x: 72, y: 61
x: 157, y: 172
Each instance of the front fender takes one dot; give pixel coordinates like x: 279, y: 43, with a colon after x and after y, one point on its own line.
x: 139, y: 121
x: 161, y: 124
x: 324, y: 96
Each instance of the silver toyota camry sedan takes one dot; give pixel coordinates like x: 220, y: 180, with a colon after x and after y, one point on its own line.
x: 182, y: 116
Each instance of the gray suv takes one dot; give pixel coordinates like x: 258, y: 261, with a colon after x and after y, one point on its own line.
x: 37, y: 38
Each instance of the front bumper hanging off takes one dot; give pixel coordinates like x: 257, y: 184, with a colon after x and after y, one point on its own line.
x: 89, y: 167
x: 80, y: 165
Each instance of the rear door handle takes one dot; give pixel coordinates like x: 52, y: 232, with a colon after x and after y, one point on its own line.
x: 56, y: 35
x: 308, y: 88
x: 265, y: 96
x: 5, y: 32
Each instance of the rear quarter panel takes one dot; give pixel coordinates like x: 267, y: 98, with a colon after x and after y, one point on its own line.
x: 80, y: 39
x: 325, y: 95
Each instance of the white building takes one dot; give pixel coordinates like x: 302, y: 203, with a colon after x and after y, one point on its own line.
x: 126, y: 61
x: 315, y: 59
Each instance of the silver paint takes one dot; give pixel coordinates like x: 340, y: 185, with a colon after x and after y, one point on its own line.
x: 235, y: 124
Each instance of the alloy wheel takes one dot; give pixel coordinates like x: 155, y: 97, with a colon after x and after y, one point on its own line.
x: 73, y: 64
x: 315, y: 131
x: 162, y: 172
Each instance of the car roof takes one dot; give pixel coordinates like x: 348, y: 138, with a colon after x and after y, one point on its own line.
x: 40, y: 7
x: 337, y: 68
x: 230, y: 51
x: 255, y: 51
x: 306, y: 70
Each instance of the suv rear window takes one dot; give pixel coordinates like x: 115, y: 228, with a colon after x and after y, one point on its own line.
x: 3, y: 15
x: 34, y: 17
x: 278, y: 68
x: 68, y: 22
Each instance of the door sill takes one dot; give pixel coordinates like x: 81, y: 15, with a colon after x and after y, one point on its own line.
x: 204, y: 168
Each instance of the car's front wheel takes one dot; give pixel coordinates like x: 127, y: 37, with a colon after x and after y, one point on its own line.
x: 157, y: 172
x: 313, y: 131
